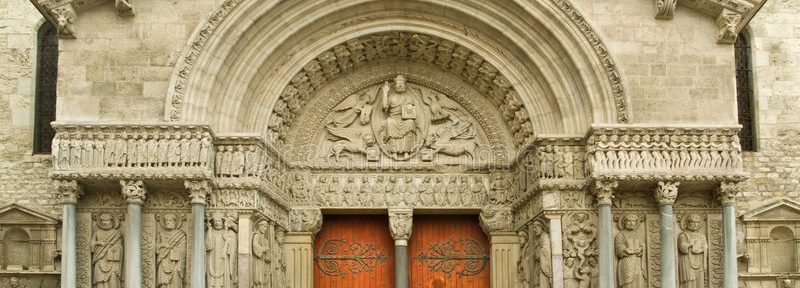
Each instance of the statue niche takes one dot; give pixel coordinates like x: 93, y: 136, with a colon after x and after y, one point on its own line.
x: 401, y: 121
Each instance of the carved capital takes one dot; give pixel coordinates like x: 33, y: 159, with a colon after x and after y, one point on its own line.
x: 726, y: 192
x: 133, y: 190
x: 400, y: 223
x: 198, y: 190
x: 305, y: 220
x: 496, y: 219
x: 666, y: 192
x: 70, y: 190
x: 665, y: 9
x: 727, y: 24
x: 604, y: 191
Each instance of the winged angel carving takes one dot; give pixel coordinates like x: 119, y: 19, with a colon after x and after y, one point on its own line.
x: 398, y: 121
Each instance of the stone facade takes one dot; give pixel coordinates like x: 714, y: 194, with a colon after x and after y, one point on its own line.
x: 174, y: 129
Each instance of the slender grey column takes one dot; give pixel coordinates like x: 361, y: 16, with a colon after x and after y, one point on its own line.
x: 70, y: 191
x: 197, y: 193
x: 68, y: 247
x: 400, y: 222
x: 604, y: 192
x: 134, y: 192
x: 727, y: 197
x: 666, y: 193
x: 557, y: 253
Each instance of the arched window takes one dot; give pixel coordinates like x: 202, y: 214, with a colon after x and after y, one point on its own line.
x: 744, y: 92
x: 46, y: 72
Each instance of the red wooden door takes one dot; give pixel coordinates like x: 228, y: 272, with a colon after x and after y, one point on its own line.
x: 354, y: 252
x: 448, y: 252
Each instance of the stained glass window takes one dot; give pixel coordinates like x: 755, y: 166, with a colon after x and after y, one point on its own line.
x: 46, y: 75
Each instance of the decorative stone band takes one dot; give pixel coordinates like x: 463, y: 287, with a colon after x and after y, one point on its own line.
x: 141, y: 147
x: 635, y: 151
x: 400, y: 223
x: 70, y: 190
x: 667, y: 192
x: 133, y: 190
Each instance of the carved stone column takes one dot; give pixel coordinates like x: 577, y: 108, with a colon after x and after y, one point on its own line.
x: 198, y: 190
x: 400, y: 223
x: 556, y: 250
x: 497, y: 222
x: 726, y: 193
x: 70, y: 191
x: 299, y: 246
x: 604, y: 191
x: 666, y: 192
x: 134, y: 193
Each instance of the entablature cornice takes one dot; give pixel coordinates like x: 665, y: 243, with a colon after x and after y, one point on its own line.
x: 731, y: 16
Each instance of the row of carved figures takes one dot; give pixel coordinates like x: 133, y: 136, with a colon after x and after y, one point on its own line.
x: 656, y: 141
x: 666, y: 159
x: 269, y: 267
x: 581, y: 268
x: 554, y: 162
x: 244, y: 161
x: 156, y: 150
x: 390, y: 191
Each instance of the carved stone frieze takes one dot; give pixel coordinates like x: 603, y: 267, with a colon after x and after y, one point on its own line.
x: 305, y: 220
x: 664, y: 152
x: 580, y: 249
x: 403, y: 190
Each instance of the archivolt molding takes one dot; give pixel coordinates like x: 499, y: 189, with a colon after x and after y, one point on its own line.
x: 186, y: 80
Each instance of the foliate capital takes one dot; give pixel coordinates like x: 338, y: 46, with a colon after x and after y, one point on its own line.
x: 198, y: 190
x: 133, y: 190
x: 305, y: 220
x: 400, y: 223
x: 667, y: 192
x: 70, y: 190
x: 496, y: 219
x: 604, y: 191
x: 726, y: 192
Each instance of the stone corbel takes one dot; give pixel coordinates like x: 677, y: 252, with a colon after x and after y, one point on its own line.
x: 63, y: 13
x: 70, y: 190
x: 307, y: 220
x: 665, y: 9
x: 496, y: 219
x: 727, y: 24
x: 400, y: 223
x: 667, y: 192
x: 134, y: 191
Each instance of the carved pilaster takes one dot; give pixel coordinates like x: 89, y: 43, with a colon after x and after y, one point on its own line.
x: 665, y: 9
x: 726, y: 192
x: 400, y: 223
x: 198, y: 190
x: 727, y: 23
x: 604, y: 191
x: 305, y: 220
x: 70, y: 190
x: 133, y: 190
x: 496, y: 219
x: 667, y: 192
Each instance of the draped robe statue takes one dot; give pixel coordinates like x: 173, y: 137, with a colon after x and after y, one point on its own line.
x: 107, y: 254
x: 401, y: 134
x: 220, y: 254
x: 171, y: 253
x: 261, y: 254
x: 692, y: 246
x: 629, y: 249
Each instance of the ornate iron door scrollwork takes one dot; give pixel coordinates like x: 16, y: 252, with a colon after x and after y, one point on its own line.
x: 446, y: 255
x: 336, y: 257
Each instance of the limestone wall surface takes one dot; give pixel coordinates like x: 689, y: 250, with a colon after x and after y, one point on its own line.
x: 674, y: 71
x: 775, y: 167
x: 23, y: 176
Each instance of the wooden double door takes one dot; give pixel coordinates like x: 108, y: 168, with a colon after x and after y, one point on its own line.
x: 357, y: 251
